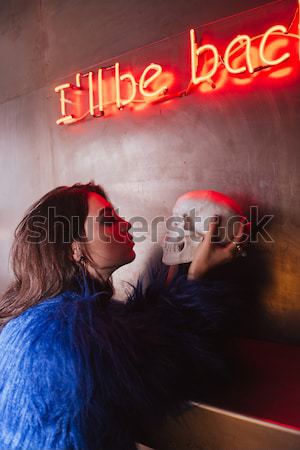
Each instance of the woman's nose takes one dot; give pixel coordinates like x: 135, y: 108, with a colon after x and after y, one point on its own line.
x: 126, y: 226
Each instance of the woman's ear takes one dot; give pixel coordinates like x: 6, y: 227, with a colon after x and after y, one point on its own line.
x: 76, y: 252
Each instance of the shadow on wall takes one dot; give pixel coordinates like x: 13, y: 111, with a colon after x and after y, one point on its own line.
x: 249, y: 277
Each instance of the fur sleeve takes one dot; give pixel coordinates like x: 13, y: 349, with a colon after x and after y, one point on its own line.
x: 182, y: 331
x: 58, y: 379
x: 78, y: 373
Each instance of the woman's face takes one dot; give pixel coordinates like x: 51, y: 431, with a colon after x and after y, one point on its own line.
x: 108, y: 241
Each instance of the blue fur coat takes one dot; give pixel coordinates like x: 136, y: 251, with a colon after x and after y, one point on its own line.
x: 80, y: 372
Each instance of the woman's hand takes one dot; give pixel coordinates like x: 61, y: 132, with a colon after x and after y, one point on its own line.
x: 210, y: 254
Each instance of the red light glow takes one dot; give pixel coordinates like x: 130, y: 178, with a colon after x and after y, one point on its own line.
x: 239, y: 39
x: 145, y: 82
x: 267, y: 56
x: 269, y: 62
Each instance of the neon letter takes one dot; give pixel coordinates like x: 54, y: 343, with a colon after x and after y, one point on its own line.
x: 279, y: 60
x: 61, y: 88
x: 77, y: 80
x: 144, y: 83
x: 90, y: 76
x: 100, y: 91
x: 242, y: 69
x: 126, y: 76
x: 195, y: 53
x: 91, y: 94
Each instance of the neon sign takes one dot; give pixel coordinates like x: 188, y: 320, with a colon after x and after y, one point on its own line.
x: 205, y: 61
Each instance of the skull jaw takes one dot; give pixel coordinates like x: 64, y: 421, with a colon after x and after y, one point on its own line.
x: 180, y: 253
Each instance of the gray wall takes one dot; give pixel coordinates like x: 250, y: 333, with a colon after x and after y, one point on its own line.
x: 247, y: 149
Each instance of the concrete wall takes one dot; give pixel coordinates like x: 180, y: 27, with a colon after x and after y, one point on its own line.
x: 242, y: 144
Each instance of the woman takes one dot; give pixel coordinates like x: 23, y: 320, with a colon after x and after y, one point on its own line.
x: 80, y: 370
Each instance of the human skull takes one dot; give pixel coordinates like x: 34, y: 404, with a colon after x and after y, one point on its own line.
x: 191, y: 215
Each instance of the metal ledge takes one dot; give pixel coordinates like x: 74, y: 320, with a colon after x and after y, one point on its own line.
x: 203, y: 427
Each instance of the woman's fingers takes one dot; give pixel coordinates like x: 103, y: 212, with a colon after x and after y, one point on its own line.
x: 240, y: 232
x: 209, y: 255
x: 213, y: 224
x: 221, y: 254
x: 212, y: 228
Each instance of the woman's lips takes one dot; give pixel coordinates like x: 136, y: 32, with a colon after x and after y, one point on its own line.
x: 130, y: 240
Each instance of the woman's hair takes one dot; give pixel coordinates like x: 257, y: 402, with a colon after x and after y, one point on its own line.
x: 41, y: 253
